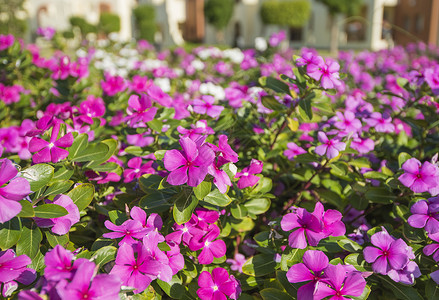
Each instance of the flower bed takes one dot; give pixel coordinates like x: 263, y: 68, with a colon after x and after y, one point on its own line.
x: 132, y: 174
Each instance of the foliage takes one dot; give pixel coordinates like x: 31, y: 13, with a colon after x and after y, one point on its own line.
x: 13, y: 17
x: 108, y: 23
x: 293, y: 13
x: 219, y: 12
x: 347, y: 7
x: 83, y: 26
x: 145, y: 22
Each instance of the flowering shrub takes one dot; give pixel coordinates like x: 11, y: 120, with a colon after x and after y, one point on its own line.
x: 218, y: 174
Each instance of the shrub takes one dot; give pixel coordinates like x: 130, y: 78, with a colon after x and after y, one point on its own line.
x: 144, y: 16
x: 219, y: 12
x: 83, y: 25
x: 109, y: 22
x: 286, y: 13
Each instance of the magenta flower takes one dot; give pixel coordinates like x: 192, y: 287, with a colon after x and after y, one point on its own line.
x: 425, y: 214
x: 363, y: 146
x: 431, y: 76
x: 306, y: 223
x: 340, y: 284
x: 11, y: 193
x: 293, y: 150
x: 6, y: 41
x: 190, y: 165
x: 159, y: 96
x: 276, y: 38
x: 62, y: 224
x: 407, y: 274
x: 215, y: 286
x: 137, y: 169
x: 51, y: 151
x: 210, y: 246
x: 330, y: 147
x: 85, y: 285
x: 380, y: 123
x: 140, y: 111
x: 46, y: 32
x: 332, y: 225
x: 327, y: 73
x: 14, y: 268
x: 420, y: 178
x: 387, y: 254
x: 237, y: 263
x: 129, y: 230
x: 60, y: 264
x: 113, y: 85
x: 247, y: 177
x: 314, y: 262
x: 347, y: 122
x: 431, y: 249
x: 93, y: 107
x: 205, y: 106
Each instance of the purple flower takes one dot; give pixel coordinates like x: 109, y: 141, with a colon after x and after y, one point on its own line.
x: 216, y: 286
x: 51, y: 151
x: 431, y: 249
x: 60, y: 264
x: 327, y: 73
x: 340, y: 283
x: 420, y: 178
x: 62, y: 224
x: 190, y: 165
x: 306, y: 223
x: 431, y: 76
x: 425, y: 214
x: 129, y: 230
x: 210, y: 246
x: 93, y: 107
x: 11, y: 193
x: 293, y: 150
x: 140, y: 111
x: 276, y: 38
x: 347, y: 122
x: 85, y: 285
x: 46, y: 32
x: 407, y: 274
x: 14, y: 268
x: 205, y: 106
x: 137, y: 169
x: 314, y: 262
x: 363, y: 146
x: 237, y: 263
x: 247, y: 177
x: 387, y: 254
x: 331, y: 147
x: 113, y: 85
x: 380, y: 123
x: 332, y: 225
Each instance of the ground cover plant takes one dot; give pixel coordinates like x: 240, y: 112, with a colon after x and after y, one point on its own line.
x: 218, y: 174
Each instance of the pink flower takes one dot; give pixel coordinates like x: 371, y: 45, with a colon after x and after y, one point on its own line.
x: 210, y: 246
x: 330, y: 147
x: 137, y: 169
x: 113, y: 85
x: 216, y: 286
x: 60, y: 264
x: 62, y: 224
x: 425, y: 214
x: 11, y: 193
x: 237, y: 263
x: 205, y: 106
x: 247, y: 177
x: 93, y: 107
x: 420, y: 178
x: 293, y: 150
x: 51, y: 151
x: 140, y: 111
x: 6, y: 41
x: 327, y: 73
x: 13, y: 268
x: 129, y: 230
x: 347, y: 122
x: 380, y: 123
x: 190, y: 165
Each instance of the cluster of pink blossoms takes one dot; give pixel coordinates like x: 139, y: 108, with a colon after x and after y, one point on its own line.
x: 69, y: 277
x: 200, y: 233
x: 324, y: 279
x: 218, y: 285
x: 310, y: 228
x: 139, y: 259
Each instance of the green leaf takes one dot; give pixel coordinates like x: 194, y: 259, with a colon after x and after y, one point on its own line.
x: 305, y: 109
x: 259, y: 265
x: 108, y: 167
x: 93, y: 152
x: 63, y: 174
x: 173, y: 288
x: 55, y: 239
x: 111, y: 148
x: 290, y: 257
x: 274, y: 294
x: 239, y: 211
x: 117, y: 217
x: 363, y: 295
x: 79, y: 144
x: 50, y: 211
x: 134, y: 150
x: 264, y: 186
x: 274, y: 84
x: 58, y: 187
x: 38, y: 176
x: 102, y: 242
x: 432, y: 290
x: 10, y: 233
x: 349, y: 245
x: 157, y: 201
x: 216, y: 198
x: 402, y: 158
x: 82, y: 195
x: 262, y: 238
x: 380, y: 195
x: 104, y: 255
x: 202, y: 190
x: 29, y: 242
x: 288, y: 286
x: 400, y: 291
x: 375, y: 175
x: 149, y: 182
x: 184, y: 206
x: 155, y: 125
x: 27, y: 210
x: 258, y: 206
x: 271, y: 103
x: 38, y: 263
x: 163, y: 246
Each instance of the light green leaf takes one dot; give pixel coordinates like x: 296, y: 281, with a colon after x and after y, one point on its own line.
x: 82, y: 195
x: 10, y: 233
x: 258, y: 206
x: 216, y: 198
x: 27, y: 210
x: 184, y: 206
x: 79, y: 144
x: 259, y: 265
x: 202, y: 190
x: 29, y: 242
x: 58, y: 187
x: 50, y: 211
x: 38, y: 176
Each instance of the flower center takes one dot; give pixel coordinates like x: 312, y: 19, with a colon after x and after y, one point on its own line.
x: 51, y: 145
x: 215, y: 288
x: 207, y: 244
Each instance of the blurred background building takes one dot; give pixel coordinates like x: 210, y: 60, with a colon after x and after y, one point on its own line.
x: 353, y: 24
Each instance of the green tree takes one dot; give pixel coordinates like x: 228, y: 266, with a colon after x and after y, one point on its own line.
x: 144, y: 16
x: 13, y: 17
x: 108, y: 23
x: 218, y: 13
x: 293, y: 13
x: 83, y: 26
x: 335, y: 7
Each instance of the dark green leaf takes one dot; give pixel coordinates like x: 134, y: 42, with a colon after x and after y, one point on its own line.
x: 274, y: 294
x: 117, y: 217
x: 149, y: 182
x: 58, y: 187
x: 93, y: 152
x: 305, y: 109
x: 79, y: 144
x: 157, y: 201
x: 174, y: 288
x: 271, y: 103
x: 259, y: 265
x: 432, y: 290
x: 400, y: 291
x: 63, y: 174
x: 50, y: 211
x: 55, y: 239
x: 275, y: 84
x: 29, y: 242
x: 379, y: 195
x: 27, y: 210
x: 184, y: 206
